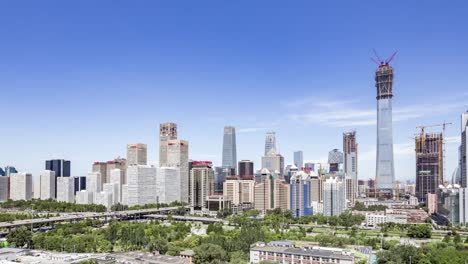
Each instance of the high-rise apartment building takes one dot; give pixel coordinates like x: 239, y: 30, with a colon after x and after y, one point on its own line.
x: 21, y: 186
x: 47, y: 185
x: 429, y: 163
x: 334, y: 200
x: 61, y: 167
x: 463, y: 164
x: 201, y: 184
x: 246, y: 169
x: 167, y: 184
x: 350, y: 190
x: 167, y: 131
x: 299, y: 159
x: 271, y: 193
x: 229, y: 148
x: 300, y: 188
x: 273, y: 162
x: 177, y: 157
x: 101, y: 167
x: 350, y: 150
x: 239, y: 191
x: 270, y: 143
x: 117, y: 177
x: 141, y: 185
x: 66, y: 189
x: 137, y: 154
x: 93, y: 182
x: 385, y: 171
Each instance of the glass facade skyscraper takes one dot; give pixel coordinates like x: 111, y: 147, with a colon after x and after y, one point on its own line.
x: 270, y: 143
x: 299, y: 159
x: 229, y: 148
x: 60, y: 167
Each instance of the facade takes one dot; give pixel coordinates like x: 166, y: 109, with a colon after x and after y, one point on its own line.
x: 334, y: 200
x: 93, y: 182
x: 229, y: 148
x: 463, y: 164
x: 177, y: 156
x: 216, y: 203
x: 463, y: 206
x: 273, y: 162
x: 167, y: 184
x: 431, y: 202
x: 316, y: 193
x: 201, y: 183
x: 21, y: 186
x: 221, y: 174
x: 299, y: 159
x: 3, y: 188
x: 350, y: 191
x: 117, y: 163
x: 271, y: 193
x: 137, y: 154
x: 167, y: 131
x: 350, y: 150
x: 429, y: 163
x: 300, y: 190
x: 141, y: 185
x: 80, y: 183
x: 65, y: 189
x: 61, y: 167
x: 117, y: 177
x: 84, y: 197
x: 246, y: 169
x: 270, y: 143
x: 112, y: 189
x: 47, y: 185
x: 385, y: 170
x: 335, y: 159
x: 101, y: 168
x: 239, y: 191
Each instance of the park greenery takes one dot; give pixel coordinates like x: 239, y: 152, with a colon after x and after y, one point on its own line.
x: 359, y: 206
x: 13, y: 216
x: 51, y: 206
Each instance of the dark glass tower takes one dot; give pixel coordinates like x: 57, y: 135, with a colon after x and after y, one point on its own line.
x: 60, y: 167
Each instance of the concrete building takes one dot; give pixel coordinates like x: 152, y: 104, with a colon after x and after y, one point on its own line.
x: 216, y: 203
x: 385, y: 169
x: 177, y: 157
x: 125, y: 194
x: 229, y: 148
x: 239, y: 191
x: 137, y: 154
x: 350, y: 150
x: 21, y: 186
x: 101, y: 168
x: 104, y: 198
x: 65, y: 189
x: 270, y: 143
x: 167, y: 131
x: 47, y: 185
x: 301, y: 197
x: 117, y: 163
x: 463, y: 206
x: 463, y: 164
x: 117, y: 177
x: 273, y: 162
x: 167, y: 184
x: 335, y: 159
x: 316, y: 187
x: 429, y: 163
x: 201, y: 183
x: 141, y: 185
x: 271, y: 193
x: 334, y: 200
x: 84, y: 197
x: 299, y: 159
x: 112, y: 189
x: 350, y: 191
x: 61, y: 167
x: 80, y: 183
x: 246, y: 169
x: 93, y: 182
x: 3, y: 188
x: 431, y: 203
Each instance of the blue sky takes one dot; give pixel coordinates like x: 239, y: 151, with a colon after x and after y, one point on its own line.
x: 81, y: 80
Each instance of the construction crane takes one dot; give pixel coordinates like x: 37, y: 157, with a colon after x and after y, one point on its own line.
x: 381, y: 62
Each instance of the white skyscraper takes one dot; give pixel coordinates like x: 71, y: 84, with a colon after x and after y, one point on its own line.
x: 21, y: 186
x: 177, y: 156
x: 167, y: 131
x: 202, y: 184
x: 167, y: 185
x: 334, y: 197
x: 117, y: 176
x: 137, y: 154
x: 270, y: 143
x: 3, y: 188
x: 141, y: 185
x: 85, y: 197
x: 104, y: 198
x: 93, y: 182
x: 350, y: 149
x: 114, y: 190
x: 66, y: 189
x: 47, y: 185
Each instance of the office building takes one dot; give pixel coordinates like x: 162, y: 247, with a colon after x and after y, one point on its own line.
x: 316, y: 193
x: 335, y: 159
x: 101, y: 167
x: 300, y: 189
x: 239, y: 191
x: 112, y: 189
x: 117, y: 163
x: 177, y: 157
x: 61, y: 167
x: 309, y: 166
x: 270, y: 143
x: 167, y: 184
x: 93, y: 182
x: 80, y: 183
x: 216, y: 203
x: 84, y: 197
x: 47, y: 185
x: 350, y: 191
x: 350, y: 150
x: 104, y: 198
x: 229, y: 148
x: 10, y: 170
x: 221, y: 174
x: 21, y: 186
x: 3, y: 188
x: 66, y: 189
x: 299, y: 159
x: 429, y: 163
x: 246, y: 169
x: 385, y: 170
x: 125, y: 194
x: 431, y: 203
x: 463, y: 206
x: 334, y: 200
x: 137, y: 154
x: 2, y: 172
x: 273, y: 162
x: 463, y: 164
x: 167, y: 131
x: 141, y: 185
x: 201, y: 183
x: 117, y: 177
x: 271, y: 193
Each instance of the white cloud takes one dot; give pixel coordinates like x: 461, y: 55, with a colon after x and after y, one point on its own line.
x: 253, y: 129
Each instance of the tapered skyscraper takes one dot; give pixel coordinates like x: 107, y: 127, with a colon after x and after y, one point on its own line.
x: 385, y: 171
x: 229, y: 148
x: 167, y: 131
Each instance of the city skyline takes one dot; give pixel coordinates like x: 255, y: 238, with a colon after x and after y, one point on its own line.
x: 288, y: 56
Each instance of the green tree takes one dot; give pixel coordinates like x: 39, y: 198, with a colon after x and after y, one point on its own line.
x: 419, y: 231
x: 446, y: 239
x: 238, y: 257
x: 19, y: 237
x: 209, y: 254
x: 457, y: 239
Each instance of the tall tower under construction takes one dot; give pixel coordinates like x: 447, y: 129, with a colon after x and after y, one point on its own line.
x: 429, y: 163
x: 385, y: 171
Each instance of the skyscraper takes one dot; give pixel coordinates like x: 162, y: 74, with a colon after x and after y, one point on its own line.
x: 167, y: 131
x: 177, y: 157
x: 274, y: 163
x: 141, y: 185
x: 350, y: 149
x: 47, y: 185
x: 301, y: 186
x: 429, y: 163
x: 385, y: 171
x: 201, y: 183
x: 334, y: 200
x: 246, y: 169
x: 3, y: 189
x: 229, y: 148
x: 335, y: 159
x: 101, y: 167
x: 61, y: 167
x: 167, y: 184
x: 464, y: 150
x: 136, y: 154
x: 270, y: 143
x: 298, y: 159
x: 271, y: 193
x: 65, y: 189
x: 21, y: 185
